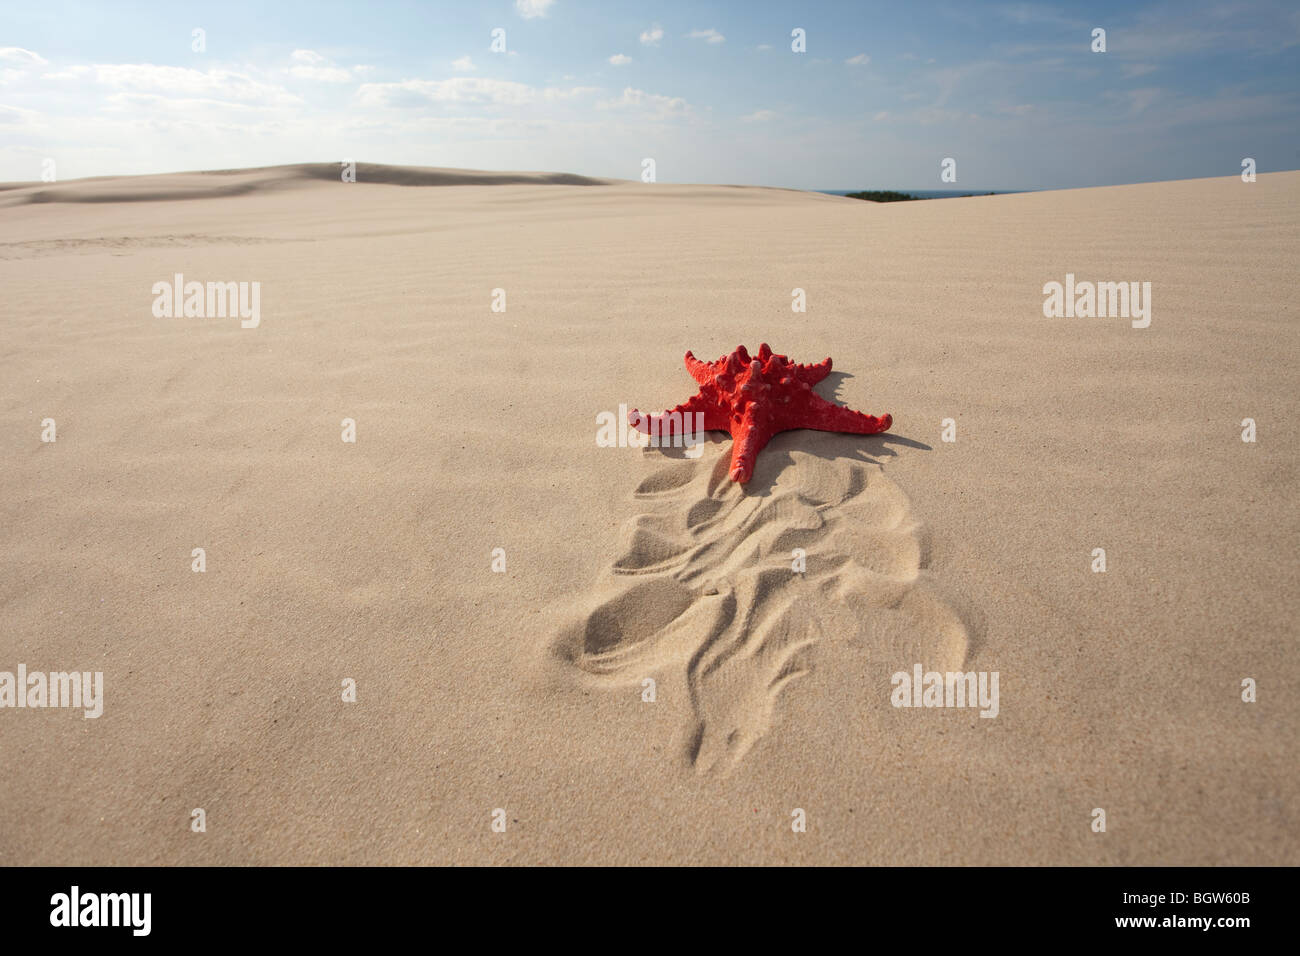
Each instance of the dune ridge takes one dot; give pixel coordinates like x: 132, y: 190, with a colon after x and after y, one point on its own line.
x: 225, y: 183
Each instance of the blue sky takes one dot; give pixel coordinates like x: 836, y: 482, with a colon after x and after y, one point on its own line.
x: 711, y: 91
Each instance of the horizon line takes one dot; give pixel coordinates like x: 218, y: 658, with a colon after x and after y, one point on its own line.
x: 972, y: 191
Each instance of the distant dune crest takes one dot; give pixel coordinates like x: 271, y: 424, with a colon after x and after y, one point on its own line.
x: 238, y: 182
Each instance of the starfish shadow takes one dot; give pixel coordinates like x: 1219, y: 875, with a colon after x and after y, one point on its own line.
x: 829, y: 387
x: 778, y: 455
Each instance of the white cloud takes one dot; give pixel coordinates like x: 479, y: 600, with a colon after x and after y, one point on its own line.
x: 152, y: 104
x: 759, y: 116
x: 470, y: 90
x: 933, y: 115
x: 16, y: 116
x: 21, y: 57
x: 1026, y: 14
x: 710, y: 36
x: 659, y: 106
x: 652, y: 36
x: 860, y: 60
x: 310, y: 65
x: 1139, y: 100
x: 465, y: 65
x: 179, y: 80
x: 529, y: 9
x: 1138, y: 69
x: 322, y: 74
x: 26, y: 63
x: 763, y: 46
x: 618, y: 59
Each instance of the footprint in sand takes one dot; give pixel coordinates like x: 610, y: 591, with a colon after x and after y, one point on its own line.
x: 706, y: 587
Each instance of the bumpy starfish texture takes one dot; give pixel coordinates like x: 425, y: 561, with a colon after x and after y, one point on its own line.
x: 753, y: 399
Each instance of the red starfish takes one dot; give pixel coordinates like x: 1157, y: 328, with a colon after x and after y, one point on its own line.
x: 753, y: 399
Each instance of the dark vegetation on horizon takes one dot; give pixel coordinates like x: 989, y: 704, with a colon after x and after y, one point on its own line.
x: 889, y: 195
x: 881, y: 195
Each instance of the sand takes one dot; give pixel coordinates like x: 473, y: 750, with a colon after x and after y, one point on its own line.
x: 522, y: 690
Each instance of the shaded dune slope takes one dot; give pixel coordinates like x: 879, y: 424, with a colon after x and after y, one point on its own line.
x: 238, y: 182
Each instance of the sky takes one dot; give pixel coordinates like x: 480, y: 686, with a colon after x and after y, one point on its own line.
x: 883, y: 93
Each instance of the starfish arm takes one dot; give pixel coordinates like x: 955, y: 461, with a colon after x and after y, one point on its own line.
x: 827, y: 417
x: 700, y: 371
x: 747, y: 441
x: 812, y: 374
x: 675, y: 421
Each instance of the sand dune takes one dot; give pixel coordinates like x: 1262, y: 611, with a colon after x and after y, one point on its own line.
x: 216, y: 184
x: 522, y: 688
